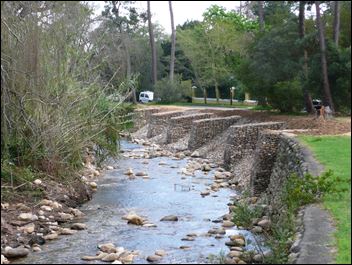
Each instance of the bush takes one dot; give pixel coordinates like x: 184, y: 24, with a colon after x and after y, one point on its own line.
x: 172, y: 92
x: 287, y: 96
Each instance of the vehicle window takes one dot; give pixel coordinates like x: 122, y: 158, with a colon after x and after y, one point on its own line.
x: 142, y: 95
x: 146, y: 95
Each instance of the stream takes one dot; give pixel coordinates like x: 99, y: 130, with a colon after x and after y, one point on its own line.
x: 164, y: 193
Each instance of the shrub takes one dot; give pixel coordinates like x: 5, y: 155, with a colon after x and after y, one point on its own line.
x: 287, y: 96
x: 175, y: 91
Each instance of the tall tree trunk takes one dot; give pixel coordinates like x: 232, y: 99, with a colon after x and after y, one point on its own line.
x: 307, y: 97
x: 327, y: 100
x: 261, y: 15
x: 173, y: 44
x: 152, y: 45
x: 217, y: 92
x: 336, y: 30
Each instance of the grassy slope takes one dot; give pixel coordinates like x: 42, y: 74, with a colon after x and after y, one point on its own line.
x: 334, y: 152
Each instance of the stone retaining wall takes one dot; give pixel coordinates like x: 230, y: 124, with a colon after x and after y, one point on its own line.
x: 204, y: 130
x: 158, y: 122
x: 141, y: 116
x: 242, y: 140
x: 179, y: 126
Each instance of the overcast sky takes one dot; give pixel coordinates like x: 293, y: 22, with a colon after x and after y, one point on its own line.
x: 183, y: 10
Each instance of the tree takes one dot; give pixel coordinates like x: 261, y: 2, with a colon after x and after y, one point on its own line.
x: 306, y: 94
x: 261, y: 15
x: 324, y: 67
x: 173, y: 43
x: 152, y: 46
x: 336, y: 29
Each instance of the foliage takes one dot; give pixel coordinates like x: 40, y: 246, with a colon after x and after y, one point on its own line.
x: 54, y: 103
x: 287, y: 96
x: 168, y: 91
x: 243, y: 215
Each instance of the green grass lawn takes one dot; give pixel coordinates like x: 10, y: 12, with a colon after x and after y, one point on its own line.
x: 334, y: 152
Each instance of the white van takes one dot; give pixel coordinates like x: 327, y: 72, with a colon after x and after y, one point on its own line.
x: 146, y: 96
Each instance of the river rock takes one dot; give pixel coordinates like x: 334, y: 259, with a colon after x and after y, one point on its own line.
x: 98, y: 257
x: 153, y: 258
x: 234, y: 237
x: 170, y: 218
x: 233, y: 254
x: 228, y: 224
x: 111, y: 257
x: 37, y: 182
x: 4, y: 260
x: 29, y: 229
x: 185, y: 247
x: 78, y: 226
x: 141, y: 174
x: 265, y: 223
x: 65, y: 216
x: 257, y: 230
x: 117, y: 262
x: 93, y: 185
x: 107, y: 247
x: 67, y: 231
x: 206, y: 167
x: 129, y: 172
x: 149, y: 225
x: 188, y: 238
x: 109, y: 167
x: 51, y: 236
x: 160, y: 253
x: 46, y: 208
x: 258, y: 258
x: 134, y: 219
x: 36, y: 249
x: 195, y: 154
x: 76, y: 212
x: 27, y: 217
x: 127, y: 258
x: 96, y: 173
x: 205, y: 193
x: 15, y: 252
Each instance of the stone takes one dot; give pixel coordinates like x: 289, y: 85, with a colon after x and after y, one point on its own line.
x: 15, y: 252
x: 219, y: 175
x: 109, y: 167
x: 129, y: 172
x: 162, y: 163
x: 185, y: 247
x: 153, y: 258
x: 27, y: 217
x: 96, y: 173
x: 149, y: 225
x: 234, y: 237
x: 5, y: 206
x: 265, y: 223
x: 205, y: 193
x: 65, y: 216
x: 236, y: 249
x: 160, y: 252
x: 195, y: 154
x: 230, y: 261
x: 192, y: 234
x: 141, y: 174
x: 76, y: 212
x: 51, y: 236
x: 135, y: 219
x: 111, y: 257
x: 228, y: 224
x: 206, y: 167
x: 295, y: 248
x: 107, y: 247
x: 28, y: 229
x: 169, y: 218
x: 127, y: 259
x: 188, y: 239
x: 93, y: 185
x: 37, y: 182
x: 233, y: 254
x: 98, y: 257
x: 36, y: 249
x: 257, y: 230
x: 4, y: 260
x: 78, y: 226
x: 258, y: 258
x: 117, y: 262
x: 67, y: 231
x: 46, y: 208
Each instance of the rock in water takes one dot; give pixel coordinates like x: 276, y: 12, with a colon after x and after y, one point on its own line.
x: 153, y: 258
x: 78, y: 226
x: 15, y: 252
x: 170, y: 218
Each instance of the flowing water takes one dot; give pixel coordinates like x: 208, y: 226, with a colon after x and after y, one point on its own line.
x: 165, y: 193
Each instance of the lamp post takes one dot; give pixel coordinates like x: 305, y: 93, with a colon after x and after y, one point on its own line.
x: 232, y: 90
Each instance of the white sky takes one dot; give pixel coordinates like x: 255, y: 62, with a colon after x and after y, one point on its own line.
x: 183, y: 10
